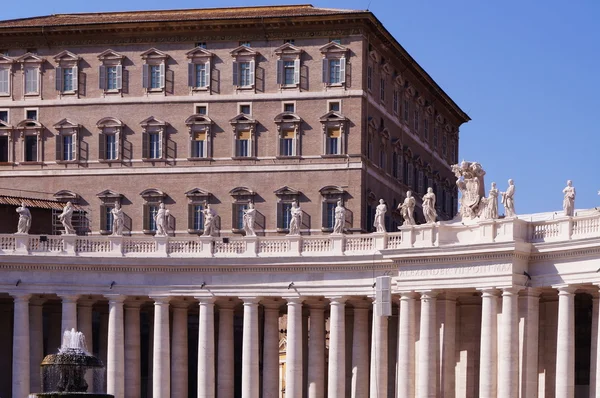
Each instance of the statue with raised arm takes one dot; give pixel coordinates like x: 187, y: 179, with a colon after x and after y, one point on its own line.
x: 118, y: 219
x: 65, y: 218
x: 469, y: 180
x: 379, y: 222
x: 249, y: 218
x: 407, y: 209
x: 508, y: 200
x: 161, y: 219
x: 24, y: 219
x: 340, y: 218
x: 210, y: 220
x: 429, y: 206
x: 569, y: 199
x: 296, y: 218
x: 491, y: 204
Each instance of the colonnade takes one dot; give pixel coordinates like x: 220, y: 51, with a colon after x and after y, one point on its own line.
x: 425, y: 358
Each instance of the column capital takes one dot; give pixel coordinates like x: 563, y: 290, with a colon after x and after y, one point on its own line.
x: 20, y: 296
x: 68, y: 297
x: 428, y: 294
x: 204, y: 300
x: 251, y: 300
x: 489, y: 292
x: 37, y: 300
x: 115, y: 298
x: 407, y: 295
x: 294, y: 300
x: 564, y: 290
x: 161, y: 300
x: 512, y: 290
x: 337, y: 300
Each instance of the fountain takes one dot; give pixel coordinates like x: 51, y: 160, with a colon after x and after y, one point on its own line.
x: 64, y: 374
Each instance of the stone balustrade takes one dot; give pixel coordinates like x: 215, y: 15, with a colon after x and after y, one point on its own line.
x: 418, y: 236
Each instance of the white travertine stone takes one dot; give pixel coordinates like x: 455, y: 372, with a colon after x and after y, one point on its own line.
x: 179, y: 350
x: 595, y: 358
x: 316, y: 351
x: 508, y: 353
x: 115, y: 362
x: 69, y: 312
x: 250, y: 345
x: 206, y: 349
x: 336, y: 383
x: 427, y: 377
x: 379, y: 222
x: 133, y: 350
x: 360, y: 350
x: 340, y: 218
x: 406, y: 346
x: 530, y: 312
x: 293, y: 356
x: 161, y: 364
x: 565, y: 343
x: 249, y: 219
x: 447, y: 345
x: 270, y: 384
x: 20, y: 359
x: 84, y: 325
x: 407, y: 209
x: 36, y: 340
x: 379, y: 356
x: 488, y: 364
x: 225, y: 369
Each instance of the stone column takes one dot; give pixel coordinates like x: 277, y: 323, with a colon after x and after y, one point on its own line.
x: 115, y: 363
x: 270, y: 384
x: 379, y: 356
x: 336, y: 383
x: 406, y: 346
x: 36, y: 340
x: 508, y: 352
x: 133, y: 350
x: 316, y: 351
x: 360, y: 350
x: 161, y: 380
x: 565, y: 343
x: 20, y: 359
x: 595, y: 358
x: 206, y: 348
x: 293, y: 356
x: 225, y: 375
x: 447, y: 340
x: 84, y: 325
x: 530, y: 299
x: 179, y: 348
x: 69, y: 312
x: 427, y: 382
x: 250, y: 349
x: 489, y: 344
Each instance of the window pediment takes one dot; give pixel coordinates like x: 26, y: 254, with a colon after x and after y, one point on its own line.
x: 198, y: 119
x: 152, y: 193
x: 287, y: 191
x: 199, y: 53
x: 387, y: 68
x: 109, y: 122
x: 4, y: 59
x: 110, y: 55
x: 373, y: 125
x: 152, y: 122
x: 66, y: 56
x: 241, y: 192
x: 243, y: 51
x: 66, y: 195
x: 153, y: 53
x: 374, y: 55
x: 5, y: 126
x: 287, y: 117
x: 400, y: 80
x: 385, y: 134
x: 333, y: 116
x: 29, y: 124
x: 288, y: 49
x: 198, y: 193
x: 109, y: 194
x: 30, y: 58
x: 242, y: 119
x: 397, y: 144
x: 333, y: 47
x: 66, y: 124
x: 332, y: 190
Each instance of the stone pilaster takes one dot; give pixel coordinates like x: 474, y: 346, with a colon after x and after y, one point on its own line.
x: 336, y: 383
x: 206, y: 348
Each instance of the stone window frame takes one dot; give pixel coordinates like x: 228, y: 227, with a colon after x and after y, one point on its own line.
x: 333, y: 101
x: 288, y: 52
x: 29, y: 128
x: 244, y: 54
x: 108, y: 200
x: 152, y: 197
x: 32, y: 61
x: 384, y: 142
x: 198, y: 56
x: 196, y: 197
x: 334, y: 51
x: 200, y: 123
x: 7, y: 130
x: 110, y: 58
x: 285, y: 122
x: 241, y: 196
x: 285, y: 196
x: 330, y: 194
x: 64, y: 60
x: 152, y: 125
x: 242, y: 123
x: 385, y: 72
x: 7, y: 63
x: 110, y: 126
x: 332, y: 120
x: 67, y: 127
x: 372, y: 129
x: 398, y: 100
x: 370, y: 209
x: 150, y: 58
x: 398, y: 160
x: 409, y: 94
x: 409, y: 170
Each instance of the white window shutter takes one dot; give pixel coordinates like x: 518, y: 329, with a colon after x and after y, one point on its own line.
x: 235, y: 73
x: 162, y: 142
x: 325, y: 70
x: 75, y: 146
x: 162, y: 75
x: 208, y: 77
x: 191, y: 74
x: 119, y: 77
x: 297, y: 71
x: 59, y: 78
x: 75, y: 78
x: 145, y: 76
x: 343, y: 70
x: 279, y: 71
x: 383, y: 295
x: 102, y: 77
x: 252, y: 66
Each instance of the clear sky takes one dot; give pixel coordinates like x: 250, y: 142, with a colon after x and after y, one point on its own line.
x: 527, y: 72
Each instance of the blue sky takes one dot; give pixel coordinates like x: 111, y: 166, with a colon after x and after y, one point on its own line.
x: 527, y: 72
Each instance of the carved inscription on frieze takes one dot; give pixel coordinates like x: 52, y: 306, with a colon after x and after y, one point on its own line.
x: 454, y: 270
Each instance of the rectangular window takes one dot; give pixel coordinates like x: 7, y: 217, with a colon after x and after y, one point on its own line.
x: 420, y: 182
x: 154, y: 140
x: 4, y: 148
x: 201, y: 109
x: 108, y: 218
x: 4, y: 81
x: 245, y: 109
x: 111, y: 78
x: 245, y: 43
x: 201, y: 44
x: 243, y: 144
x: 199, y: 144
x: 369, y: 77
x: 31, y: 148
x: 416, y: 121
x: 333, y: 141
x: 290, y: 41
x: 287, y: 143
x: 111, y: 147
x: 152, y: 211
x: 330, y: 214
x: 68, y: 147
x: 4, y: 116
x: 197, y: 217
x: 444, y: 145
x: 285, y: 216
x: 382, y: 158
x: 382, y: 89
x: 335, y: 75
x: 334, y: 106
x: 426, y: 128
x: 406, y: 110
x: 410, y: 174
x: 436, y: 133
x: 289, y: 71
x: 155, y: 76
x: 31, y: 80
x: 200, y: 75
x: 68, y: 79
x: 395, y: 102
x: 31, y: 114
x: 452, y: 152
x: 245, y: 74
x: 240, y: 208
x: 288, y: 107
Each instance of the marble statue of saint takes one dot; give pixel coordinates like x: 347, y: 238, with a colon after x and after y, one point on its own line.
x: 65, y: 218
x: 340, y: 218
x: 296, y: 219
x: 569, y: 200
x: 24, y: 219
x: 491, y: 207
x: 429, y: 206
x: 379, y: 222
x: 407, y: 209
x: 161, y: 219
x: 118, y: 220
x: 210, y: 220
x: 508, y: 199
x: 470, y: 183
x: 249, y: 217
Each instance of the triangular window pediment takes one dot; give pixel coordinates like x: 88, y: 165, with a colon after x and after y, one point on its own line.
x: 30, y: 58
x: 373, y: 124
x: 242, y: 118
x: 243, y: 50
x: 66, y: 124
x: 110, y: 54
x: 154, y: 53
x: 333, y: 47
x: 199, y: 52
x: 4, y: 59
x: 241, y: 191
x: 332, y: 116
x: 385, y: 134
x: 197, y: 192
x: 374, y: 55
x: 285, y: 190
x: 387, y: 68
x: 4, y: 125
x: 107, y: 193
x: 66, y: 56
x: 152, y: 121
x: 288, y: 48
x: 198, y: 119
x: 109, y: 122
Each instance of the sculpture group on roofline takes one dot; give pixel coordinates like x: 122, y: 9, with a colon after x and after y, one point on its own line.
x: 474, y: 205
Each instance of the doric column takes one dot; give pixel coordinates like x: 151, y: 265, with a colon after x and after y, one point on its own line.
x: 270, y: 384
x: 115, y: 363
x: 379, y: 356
x: 406, y: 346
x: 179, y: 350
x: 69, y: 312
x: 250, y: 349
x: 36, y: 340
x: 489, y: 344
x: 336, y: 383
x: 447, y: 339
x: 316, y: 350
x: 565, y: 343
x: 530, y: 307
x: 427, y: 382
x: 595, y: 358
x: 206, y: 348
x: 293, y: 355
x: 508, y: 352
x: 84, y: 325
x: 161, y: 361
x: 20, y: 359
x: 133, y: 350
x: 360, y: 350
x: 225, y: 369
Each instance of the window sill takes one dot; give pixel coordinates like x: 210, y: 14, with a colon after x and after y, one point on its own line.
x: 323, y: 229
x: 112, y: 91
x: 334, y: 85
x: 155, y: 90
x: 109, y: 160
x: 237, y: 230
x: 31, y: 162
x: 7, y: 163
x: 284, y: 157
x: 200, y: 89
x: 68, y: 93
x: 333, y: 156
x: 154, y: 160
x: 148, y: 232
x: 31, y: 94
x: 67, y: 161
x: 244, y: 158
x: 285, y: 230
x: 195, y: 231
x: 289, y: 86
x: 251, y: 87
x: 199, y: 159
x: 4, y: 94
